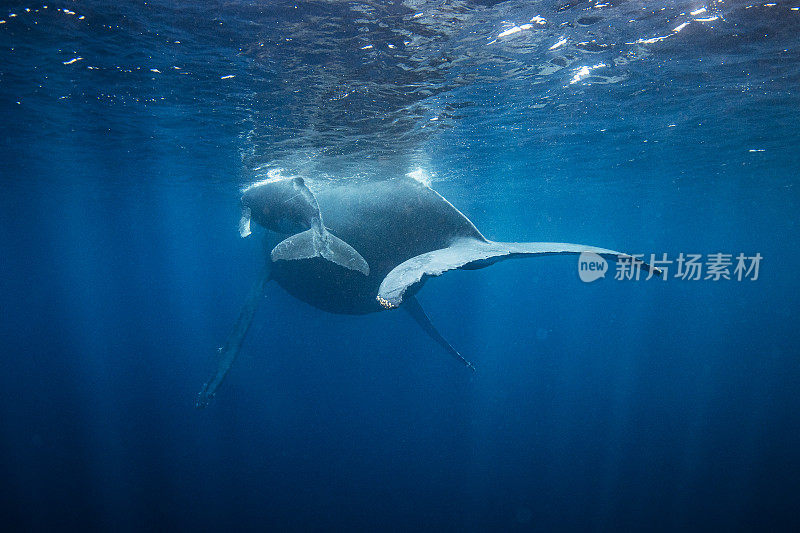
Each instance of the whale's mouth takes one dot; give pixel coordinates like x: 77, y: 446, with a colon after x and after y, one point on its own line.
x: 244, y: 222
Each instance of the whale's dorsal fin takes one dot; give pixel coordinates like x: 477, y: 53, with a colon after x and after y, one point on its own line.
x: 467, y: 252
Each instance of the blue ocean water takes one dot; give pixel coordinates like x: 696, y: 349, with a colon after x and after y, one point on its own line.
x: 653, y: 127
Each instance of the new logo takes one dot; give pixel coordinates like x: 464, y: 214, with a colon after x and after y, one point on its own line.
x: 591, y: 267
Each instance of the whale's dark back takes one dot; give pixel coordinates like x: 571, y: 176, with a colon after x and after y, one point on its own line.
x: 387, y: 222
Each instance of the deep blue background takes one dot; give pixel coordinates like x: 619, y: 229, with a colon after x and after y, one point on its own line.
x: 660, y: 405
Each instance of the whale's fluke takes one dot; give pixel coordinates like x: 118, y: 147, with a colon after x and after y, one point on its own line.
x: 466, y: 252
x: 311, y: 243
x: 229, y: 352
x: 299, y: 205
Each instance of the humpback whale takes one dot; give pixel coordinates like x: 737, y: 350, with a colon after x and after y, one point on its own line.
x: 363, y: 247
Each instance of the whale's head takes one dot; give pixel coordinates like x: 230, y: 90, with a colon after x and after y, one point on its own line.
x: 277, y: 204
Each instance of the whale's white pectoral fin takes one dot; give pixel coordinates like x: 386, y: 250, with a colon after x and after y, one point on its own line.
x: 468, y: 251
x: 411, y: 271
x: 309, y: 244
x: 244, y: 222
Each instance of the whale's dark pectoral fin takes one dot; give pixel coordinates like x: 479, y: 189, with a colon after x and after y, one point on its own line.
x: 418, y: 314
x: 229, y: 352
x: 311, y: 243
x: 469, y: 252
